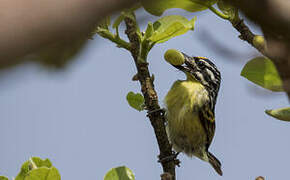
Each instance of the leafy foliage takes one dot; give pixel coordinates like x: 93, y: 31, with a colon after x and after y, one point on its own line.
x: 170, y: 26
x: 281, y: 114
x: 43, y: 173
x: 263, y: 72
x: 120, y: 173
x: 158, y: 7
x: 136, y: 101
x: 37, y: 169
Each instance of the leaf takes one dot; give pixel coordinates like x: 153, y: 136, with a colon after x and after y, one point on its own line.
x: 149, y: 31
x: 41, y: 163
x: 263, y: 72
x: 168, y: 27
x: 158, y: 7
x: 3, y: 178
x: 25, y: 168
x: 43, y: 173
x: 227, y: 9
x: 36, y: 163
x: 281, y: 114
x: 136, y: 101
x: 120, y: 173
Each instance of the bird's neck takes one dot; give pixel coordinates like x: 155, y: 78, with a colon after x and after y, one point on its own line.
x: 190, y: 77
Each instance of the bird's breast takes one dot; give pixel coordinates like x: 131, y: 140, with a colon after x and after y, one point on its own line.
x: 184, y: 129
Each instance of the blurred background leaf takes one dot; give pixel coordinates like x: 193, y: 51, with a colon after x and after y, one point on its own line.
x: 55, y: 56
x: 158, y: 7
x: 59, y: 54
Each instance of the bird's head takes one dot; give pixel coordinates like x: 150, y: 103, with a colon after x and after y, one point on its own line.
x: 196, y: 68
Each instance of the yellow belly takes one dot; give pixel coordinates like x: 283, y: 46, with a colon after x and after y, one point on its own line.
x: 184, y: 129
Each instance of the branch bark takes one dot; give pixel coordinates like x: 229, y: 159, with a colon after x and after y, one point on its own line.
x: 151, y: 98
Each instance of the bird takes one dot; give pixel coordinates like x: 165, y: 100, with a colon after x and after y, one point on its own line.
x: 190, y: 106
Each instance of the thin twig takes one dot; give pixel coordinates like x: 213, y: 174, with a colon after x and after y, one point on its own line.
x: 246, y: 34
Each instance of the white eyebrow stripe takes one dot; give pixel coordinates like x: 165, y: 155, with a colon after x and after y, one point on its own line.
x: 201, y: 78
x: 210, y: 74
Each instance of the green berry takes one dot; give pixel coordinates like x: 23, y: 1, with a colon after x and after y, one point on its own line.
x: 174, y: 57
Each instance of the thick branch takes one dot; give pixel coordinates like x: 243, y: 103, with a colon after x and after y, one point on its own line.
x: 29, y: 25
x: 270, y: 14
x: 151, y: 98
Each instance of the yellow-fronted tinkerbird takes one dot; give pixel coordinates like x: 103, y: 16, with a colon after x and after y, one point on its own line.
x: 190, y: 106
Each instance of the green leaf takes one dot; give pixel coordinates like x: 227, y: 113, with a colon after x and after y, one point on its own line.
x: 136, y: 101
x: 281, y: 114
x: 120, y: 173
x: 3, y: 178
x: 158, y: 7
x: 149, y: 31
x: 263, y: 72
x: 41, y: 163
x: 168, y: 27
x: 227, y: 9
x: 43, y: 173
x: 36, y: 163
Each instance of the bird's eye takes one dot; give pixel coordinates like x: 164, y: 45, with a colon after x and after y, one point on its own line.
x: 200, y: 63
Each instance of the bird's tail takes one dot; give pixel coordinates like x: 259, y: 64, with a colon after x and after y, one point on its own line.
x: 215, y: 163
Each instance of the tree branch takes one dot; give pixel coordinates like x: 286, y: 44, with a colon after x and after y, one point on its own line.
x: 150, y: 96
x: 277, y: 50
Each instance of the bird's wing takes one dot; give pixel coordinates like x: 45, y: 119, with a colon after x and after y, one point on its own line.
x: 206, y: 116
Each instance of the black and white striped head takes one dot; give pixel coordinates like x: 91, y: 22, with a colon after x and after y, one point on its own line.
x: 204, y: 71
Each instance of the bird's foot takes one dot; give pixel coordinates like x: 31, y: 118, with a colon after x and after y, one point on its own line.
x: 172, y: 157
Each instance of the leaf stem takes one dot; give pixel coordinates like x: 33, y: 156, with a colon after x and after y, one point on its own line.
x: 114, y: 38
x: 218, y: 13
x: 214, y: 10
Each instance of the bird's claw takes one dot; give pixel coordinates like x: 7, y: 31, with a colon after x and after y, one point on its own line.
x: 172, y: 157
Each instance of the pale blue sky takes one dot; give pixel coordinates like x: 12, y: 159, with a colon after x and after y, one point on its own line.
x: 79, y: 118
